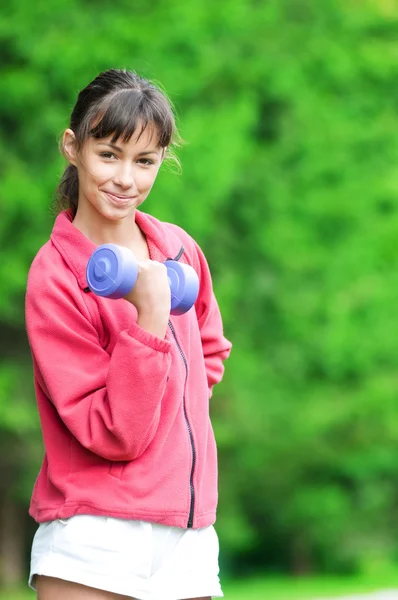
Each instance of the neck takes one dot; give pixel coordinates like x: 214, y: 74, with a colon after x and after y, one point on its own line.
x: 98, y: 229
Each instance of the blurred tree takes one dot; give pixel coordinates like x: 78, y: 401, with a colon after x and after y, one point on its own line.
x: 289, y: 185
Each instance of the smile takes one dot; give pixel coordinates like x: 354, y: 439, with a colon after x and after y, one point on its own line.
x: 119, y: 200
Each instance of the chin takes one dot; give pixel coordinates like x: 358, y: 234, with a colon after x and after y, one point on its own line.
x: 117, y: 214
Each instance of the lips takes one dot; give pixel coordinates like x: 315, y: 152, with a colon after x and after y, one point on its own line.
x: 119, y: 200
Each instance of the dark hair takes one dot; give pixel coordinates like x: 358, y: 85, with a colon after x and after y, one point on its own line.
x: 116, y: 103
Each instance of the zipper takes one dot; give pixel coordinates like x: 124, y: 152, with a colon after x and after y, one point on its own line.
x: 191, y: 486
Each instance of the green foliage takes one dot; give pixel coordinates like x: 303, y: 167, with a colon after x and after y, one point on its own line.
x: 290, y: 186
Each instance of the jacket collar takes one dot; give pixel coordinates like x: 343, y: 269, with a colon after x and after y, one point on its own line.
x: 76, y: 249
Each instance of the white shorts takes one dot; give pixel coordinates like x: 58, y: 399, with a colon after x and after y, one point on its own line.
x: 134, y: 558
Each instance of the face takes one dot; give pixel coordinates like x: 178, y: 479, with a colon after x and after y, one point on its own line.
x: 114, y: 178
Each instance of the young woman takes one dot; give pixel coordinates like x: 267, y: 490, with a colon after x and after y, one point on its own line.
x: 126, y: 496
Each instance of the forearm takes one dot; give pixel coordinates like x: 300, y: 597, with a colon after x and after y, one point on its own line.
x: 154, y: 322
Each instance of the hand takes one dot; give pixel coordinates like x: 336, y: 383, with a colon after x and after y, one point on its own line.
x: 151, y: 297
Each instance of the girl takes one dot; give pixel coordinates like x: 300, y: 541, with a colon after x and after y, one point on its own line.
x: 126, y: 496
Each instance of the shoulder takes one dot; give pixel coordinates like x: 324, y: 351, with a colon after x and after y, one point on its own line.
x: 48, y: 263
x: 191, y: 247
x: 49, y: 276
x: 172, y: 237
x: 183, y: 235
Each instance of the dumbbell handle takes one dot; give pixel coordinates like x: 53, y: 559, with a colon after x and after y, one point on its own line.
x: 113, y: 270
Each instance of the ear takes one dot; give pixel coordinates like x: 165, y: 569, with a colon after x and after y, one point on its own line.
x: 69, y: 146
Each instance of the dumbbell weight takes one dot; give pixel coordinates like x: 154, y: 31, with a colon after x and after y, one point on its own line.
x: 113, y: 270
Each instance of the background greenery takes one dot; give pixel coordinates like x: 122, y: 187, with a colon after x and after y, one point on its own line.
x: 289, y: 183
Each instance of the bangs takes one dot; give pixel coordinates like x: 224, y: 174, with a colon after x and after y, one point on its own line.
x: 129, y: 112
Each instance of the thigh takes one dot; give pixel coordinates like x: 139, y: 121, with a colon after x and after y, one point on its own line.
x: 49, y: 588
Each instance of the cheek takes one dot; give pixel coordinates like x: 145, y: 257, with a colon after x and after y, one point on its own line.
x: 147, y: 179
x: 95, y: 173
x: 102, y: 172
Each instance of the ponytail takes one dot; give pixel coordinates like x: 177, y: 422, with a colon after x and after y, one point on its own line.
x: 67, y: 192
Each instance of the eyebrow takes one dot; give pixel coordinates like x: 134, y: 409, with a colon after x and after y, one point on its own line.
x: 114, y: 147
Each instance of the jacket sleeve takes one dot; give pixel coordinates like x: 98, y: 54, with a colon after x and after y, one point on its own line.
x: 110, y: 403
x: 216, y: 348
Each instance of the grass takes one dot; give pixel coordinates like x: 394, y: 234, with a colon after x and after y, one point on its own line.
x: 306, y: 588
x: 275, y: 589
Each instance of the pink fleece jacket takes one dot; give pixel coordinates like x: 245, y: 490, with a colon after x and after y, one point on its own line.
x: 124, y: 414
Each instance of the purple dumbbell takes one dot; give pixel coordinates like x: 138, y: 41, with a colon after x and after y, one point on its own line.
x: 112, y: 271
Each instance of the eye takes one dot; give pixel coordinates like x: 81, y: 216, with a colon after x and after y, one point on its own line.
x: 146, y: 161
x: 107, y: 155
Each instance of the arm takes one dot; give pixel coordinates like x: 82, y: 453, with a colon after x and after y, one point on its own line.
x: 110, y: 403
x: 216, y: 348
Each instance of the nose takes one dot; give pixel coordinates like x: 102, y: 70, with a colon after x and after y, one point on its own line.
x: 124, y: 176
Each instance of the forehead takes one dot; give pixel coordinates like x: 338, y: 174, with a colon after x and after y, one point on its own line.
x: 147, y: 138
